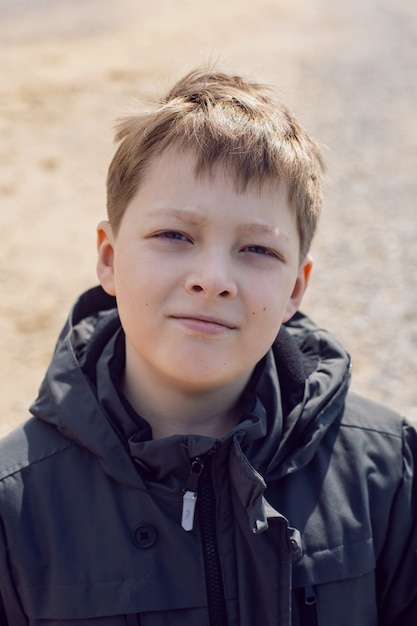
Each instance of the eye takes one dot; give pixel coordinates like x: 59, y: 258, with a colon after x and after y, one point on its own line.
x: 172, y: 235
x: 260, y: 250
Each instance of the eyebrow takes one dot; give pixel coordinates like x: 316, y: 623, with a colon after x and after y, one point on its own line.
x: 194, y: 218
x: 180, y: 214
x: 262, y: 229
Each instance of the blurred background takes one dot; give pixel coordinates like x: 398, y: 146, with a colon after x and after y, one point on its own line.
x: 69, y: 68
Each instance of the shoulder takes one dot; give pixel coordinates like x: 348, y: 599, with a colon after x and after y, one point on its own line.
x: 30, y: 443
x: 371, y: 435
x: 369, y: 416
x: 362, y: 412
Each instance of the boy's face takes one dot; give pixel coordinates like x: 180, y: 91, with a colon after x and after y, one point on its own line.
x: 204, y: 276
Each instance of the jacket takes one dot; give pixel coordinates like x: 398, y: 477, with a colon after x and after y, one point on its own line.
x: 305, y: 514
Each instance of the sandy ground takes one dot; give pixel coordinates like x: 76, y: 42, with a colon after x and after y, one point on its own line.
x: 69, y: 68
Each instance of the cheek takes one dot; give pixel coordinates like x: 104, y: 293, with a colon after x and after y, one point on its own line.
x: 269, y: 298
x: 142, y: 288
x: 265, y: 321
x: 149, y: 270
x: 268, y: 303
x: 268, y: 320
x: 133, y: 273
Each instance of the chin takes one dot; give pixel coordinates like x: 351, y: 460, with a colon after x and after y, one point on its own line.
x: 205, y: 383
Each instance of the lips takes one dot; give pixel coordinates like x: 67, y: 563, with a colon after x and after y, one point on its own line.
x: 205, y: 323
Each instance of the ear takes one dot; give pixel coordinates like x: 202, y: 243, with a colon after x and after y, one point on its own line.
x: 301, y: 284
x: 105, y: 259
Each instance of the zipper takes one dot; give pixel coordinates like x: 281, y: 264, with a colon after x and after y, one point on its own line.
x: 206, y: 512
x: 199, y: 485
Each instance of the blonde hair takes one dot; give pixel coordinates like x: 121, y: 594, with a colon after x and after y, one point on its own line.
x: 228, y: 121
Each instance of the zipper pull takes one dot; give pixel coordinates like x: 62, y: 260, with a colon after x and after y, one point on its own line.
x: 310, y: 608
x: 309, y: 595
x: 189, y: 499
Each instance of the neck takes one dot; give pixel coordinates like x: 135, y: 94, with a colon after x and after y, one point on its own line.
x: 173, y: 410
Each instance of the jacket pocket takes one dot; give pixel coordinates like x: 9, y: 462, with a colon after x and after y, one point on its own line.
x: 341, y: 602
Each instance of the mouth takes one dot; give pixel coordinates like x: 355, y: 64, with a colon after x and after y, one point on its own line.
x: 205, y: 323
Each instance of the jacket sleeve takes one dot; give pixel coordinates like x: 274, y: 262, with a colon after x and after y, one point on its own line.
x: 11, y: 612
x: 397, y: 567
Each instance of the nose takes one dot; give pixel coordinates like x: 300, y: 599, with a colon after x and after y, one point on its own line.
x: 212, y: 277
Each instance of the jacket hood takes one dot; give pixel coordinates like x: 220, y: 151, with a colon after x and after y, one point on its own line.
x: 295, y: 394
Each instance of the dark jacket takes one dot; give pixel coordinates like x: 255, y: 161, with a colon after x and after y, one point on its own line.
x: 91, y: 506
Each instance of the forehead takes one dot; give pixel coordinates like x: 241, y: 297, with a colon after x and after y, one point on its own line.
x: 191, y: 165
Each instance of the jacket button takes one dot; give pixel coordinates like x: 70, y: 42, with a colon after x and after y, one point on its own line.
x: 144, y: 536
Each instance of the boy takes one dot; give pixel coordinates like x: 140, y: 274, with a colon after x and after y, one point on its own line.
x: 195, y: 456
